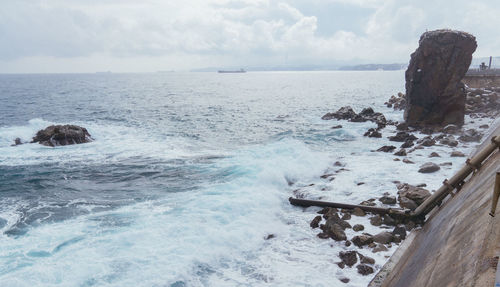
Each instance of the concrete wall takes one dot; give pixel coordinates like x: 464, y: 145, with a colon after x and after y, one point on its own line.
x: 458, y: 245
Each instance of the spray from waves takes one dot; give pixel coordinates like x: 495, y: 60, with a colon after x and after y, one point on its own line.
x: 182, y: 239
x: 113, y: 143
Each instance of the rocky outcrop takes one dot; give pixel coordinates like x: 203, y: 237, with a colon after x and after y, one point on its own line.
x: 434, y: 92
x: 367, y: 114
x: 59, y: 135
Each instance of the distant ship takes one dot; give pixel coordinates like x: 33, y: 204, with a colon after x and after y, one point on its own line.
x: 232, y: 71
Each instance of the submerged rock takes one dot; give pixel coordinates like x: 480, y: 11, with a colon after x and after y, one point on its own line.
x: 434, y: 92
x: 429, y: 167
x: 60, y: 135
x: 17, y: 141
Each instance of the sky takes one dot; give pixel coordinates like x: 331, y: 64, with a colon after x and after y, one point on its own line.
x: 55, y: 36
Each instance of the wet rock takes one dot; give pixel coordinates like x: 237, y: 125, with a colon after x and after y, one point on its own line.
x: 341, y: 265
x: 17, y: 141
x: 362, y: 240
x: 427, y: 141
x: 401, y: 152
x: 367, y: 203
x: 383, y: 237
x: 323, y: 235
x: 399, y: 230
x: 446, y: 164
x: 337, y: 233
x: 402, y: 137
x: 328, y: 210
x: 346, y: 216
x: 451, y: 129
x: 60, y: 135
x: 337, y: 127
x: 429, y: 167
x: 407, y: 144
x: 364, y: 269
x: 398, y: 103
x: 376, y: 220
x: 373, y: 133
x: 344, y: 113
x: 407, y: 203
x: 348, y: 243
x: 408, y: 161
x: 365, y: 259
x: 456, y: 153
x: 360, y: 183
x: 388, y: 220
x: 270, y: 236
x: 344, y: 280
x: 434, y: 154
x: 434, y: 92
x: 397, y: 238
x: 417, y: 194
x: 358, y: 212
x: 387, y: 148
x: 315, y: 222
x: 449, y: 141
x: 348, y: 257
x: 358, y: 227
x: 379, y: 248
x: 470, y: 135
x: 335, y: 219
x: 484, y: 126
x: 387, y: 199
x: 402, y: 127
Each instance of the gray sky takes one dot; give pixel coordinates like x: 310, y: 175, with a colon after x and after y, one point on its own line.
x: 153, y: 35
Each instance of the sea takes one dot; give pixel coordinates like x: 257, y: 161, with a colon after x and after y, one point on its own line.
x: 188, y: 178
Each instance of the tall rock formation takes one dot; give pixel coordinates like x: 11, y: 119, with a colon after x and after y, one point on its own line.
x: 435, y: 96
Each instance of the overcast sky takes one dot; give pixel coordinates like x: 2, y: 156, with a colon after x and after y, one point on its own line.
x: 153, y: 35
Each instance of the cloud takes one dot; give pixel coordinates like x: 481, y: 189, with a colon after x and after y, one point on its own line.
x: 228, y: 32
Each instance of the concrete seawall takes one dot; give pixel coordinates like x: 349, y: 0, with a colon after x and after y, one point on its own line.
x: 459, y: 244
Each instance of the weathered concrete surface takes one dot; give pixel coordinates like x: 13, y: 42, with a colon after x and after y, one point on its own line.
x: 459, y: 243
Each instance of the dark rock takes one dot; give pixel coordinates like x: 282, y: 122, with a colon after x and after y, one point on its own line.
x: 398, y: 103
x: 367, y: 203
x: 335, y: 219
x: 315, y: 222
x: 407, y: 144
x: 470, y: 135
x: 341, y: 265
x: 337, y: 233
x: 327, y: 210
x: 348, y: 257
x: 358, y: 212
x: 346, y: 216
x: 383, y: 237
x: 364, y: 269
x: 376, y: 220
x: 428, y: 141
x: 429, y: 167
x: 434, y: 154
x: 402, y: 127
x: 362, y: 240
x: 337, y: 127
x: 401, y: 152
x: 449, y: 141
x: 344, y: 280
x: 348, y: 243
x: 323, y: 235
x: 387, y: 148
x: 388, y: 220
x: 365, y: 259
x: 434, y: 92
x: 358, y: 227
x: 407, y: 203
x: 379, y: 248
x: 373, y: 133
x: 402, y: 137
x: 484, y: 126
x: 401, y: 230
x: 17, y: 141
x: 408, y: 161
x: 386, y: 199
x: 397, y: 238
x: 344, y: 113
x: 360, y: 183
x: 61, y: 135
x: 456, y: 153
x: 270, y: 236
x: 446, y: 164
x: 417, y: 194
x: 451, y: 129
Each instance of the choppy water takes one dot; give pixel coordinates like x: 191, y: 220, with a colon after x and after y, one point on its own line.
x: 187, y: 176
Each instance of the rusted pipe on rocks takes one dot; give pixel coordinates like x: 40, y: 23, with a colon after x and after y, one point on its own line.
x: 372, y: 209
x: 457, y: 180
x: 496, y: 194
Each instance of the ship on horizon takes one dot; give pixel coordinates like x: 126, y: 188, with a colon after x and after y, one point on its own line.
x: 232, y: 71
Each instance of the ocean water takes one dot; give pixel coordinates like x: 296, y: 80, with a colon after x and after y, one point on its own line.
x: 188, y: 175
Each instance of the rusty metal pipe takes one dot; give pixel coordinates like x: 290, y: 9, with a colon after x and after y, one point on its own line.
x: 372, y: 209
x: 496, y: 194
x: 456, y: 180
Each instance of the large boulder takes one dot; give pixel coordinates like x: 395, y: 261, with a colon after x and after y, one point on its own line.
x: 435, y: 95
x: 59, y: 135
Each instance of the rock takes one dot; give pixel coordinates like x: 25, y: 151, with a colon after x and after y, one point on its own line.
x: 386, y: 199
x: 451, y: 129
x: 344, y: 280
x: 407, y: 203
x: 446, y: 164
x: 449, y: 141
x: 484, y: 126
x: 348, y: 257
x: 408, y: 161
x: 428, y: 141
x: 417, y: 194
x: 388, y: 220
x: 470, y: 135
x: 402, y: 127
x: 429, y: 167
x: 398, y: 103
x: 337, y: 233
x: 376, y: 220
x: 379, y: 248
x: 362, y: 240
x: 315, y: 222
x: 402, y: 137
x: 367, y: 203
x: 358, y: 227
x: 364, y: 269
x: 335, y: 219
x: 344, y: 113
x: 328, y: 210
x: 358, y: 212
x: 407, y: 144
x: 383, y: 237
x: 387, y: 148
x: 401, y: 152
x: 434, y: 154
x: 456, y: 153
x: 400, y: 230
x: 270, y: 236
x: 17, y: 141
x: 365, y: 259
x: 323, y: 235
x: 337, y: 127
x: 373, y: 133
x: 434, y: 92
x: 341, y: 265
x: 346, y: 216
x: 348, y: 243
x: 60, y: 135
